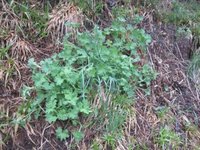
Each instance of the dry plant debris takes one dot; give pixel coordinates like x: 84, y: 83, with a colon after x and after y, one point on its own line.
x: 8, y: 19
x: 22, y: 50
x: 61, y: 18
x: 9, y: 39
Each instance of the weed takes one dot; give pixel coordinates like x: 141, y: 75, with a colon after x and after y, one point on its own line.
x: 139, y: 147
x: 78, y: 135
x: 110, y: 141
x: 161, y: 111
x: 184, y: 32
x: 168, y: 139
x: 5, y: 121
x: 62, y: 134
x: 98, y: 63
x: 185, y: 15
x: 8, y: 68
x: 36, y: 19
x: 95, y: 146
x: 90, y: 8
x: 4, y: 52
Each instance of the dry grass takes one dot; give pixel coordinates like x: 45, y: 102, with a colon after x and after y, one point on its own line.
x: 8, y: 19
x: 8, y: 68
x: 61, y: 18
x: 9, y: 39
x: 12, y: 30
x: 22, y: 50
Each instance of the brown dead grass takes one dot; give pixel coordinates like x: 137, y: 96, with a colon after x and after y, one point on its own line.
x: 22, y: 50
x: 59, y: 19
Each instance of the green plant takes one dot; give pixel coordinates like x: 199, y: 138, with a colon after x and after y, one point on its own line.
x: 110, y: 141
x: 180, y: 13
x: 184, y: 14
x: 65, y: 100
x: 8, y: 67
x: 101, y: 61
x: 184, y: 32
x: 95, y: 145
x: 37, y: 20
x: 4, y: 53
x: 162, y: 111
x: 90, y: 8
x: 78, y: 135
x: 168, y: 138
x: 62, y: 134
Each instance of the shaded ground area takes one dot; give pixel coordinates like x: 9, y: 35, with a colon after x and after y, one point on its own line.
x: 173, y: 102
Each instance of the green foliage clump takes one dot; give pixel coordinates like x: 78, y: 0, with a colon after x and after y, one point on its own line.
x: 62, y: 134
x: 91, y: 9
x: 168, y: 138
x: 184, y: 14
x: 60, y: 86
x: 100, y: 61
